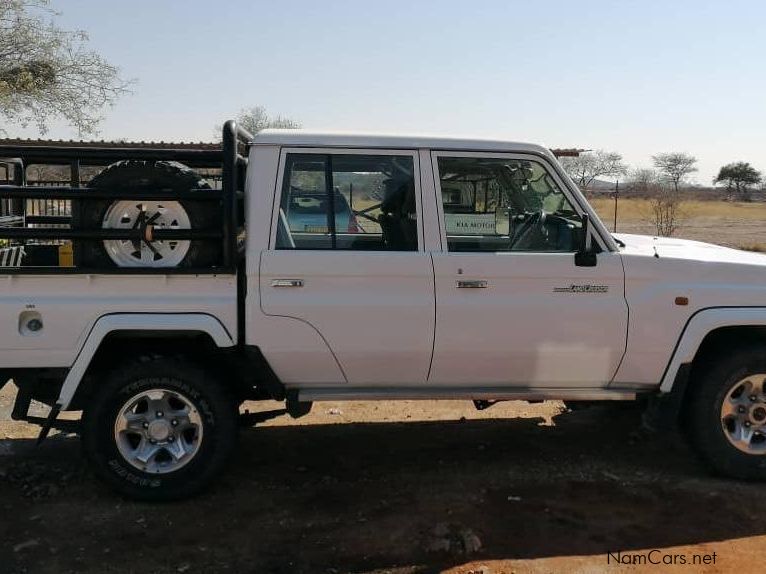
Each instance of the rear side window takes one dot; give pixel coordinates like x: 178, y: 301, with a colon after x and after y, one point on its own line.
x: 345, y: 201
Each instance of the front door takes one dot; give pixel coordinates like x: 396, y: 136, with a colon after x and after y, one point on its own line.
x: 512, y: 308
x: 347, y: 260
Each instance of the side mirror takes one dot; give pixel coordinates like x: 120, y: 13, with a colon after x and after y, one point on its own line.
x: 585, y: 256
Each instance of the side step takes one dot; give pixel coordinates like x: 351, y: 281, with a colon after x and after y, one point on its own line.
x: 461, y: 393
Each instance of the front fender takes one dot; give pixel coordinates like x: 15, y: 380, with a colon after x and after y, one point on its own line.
x: 181, y: 322
x: 699, y: 326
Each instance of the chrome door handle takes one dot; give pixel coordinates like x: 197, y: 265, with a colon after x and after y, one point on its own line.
x: 472, y: 284
x: 287, y: 282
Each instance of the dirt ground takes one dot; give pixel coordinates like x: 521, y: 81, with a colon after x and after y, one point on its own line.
x: 409, y: 487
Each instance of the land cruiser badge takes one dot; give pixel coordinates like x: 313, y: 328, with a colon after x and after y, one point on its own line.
x: 582, y: 289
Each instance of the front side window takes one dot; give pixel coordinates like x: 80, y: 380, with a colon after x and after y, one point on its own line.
x: 493, y: 204
x: 339, y: 201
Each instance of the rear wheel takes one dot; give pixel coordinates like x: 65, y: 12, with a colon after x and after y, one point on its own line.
x: 159, y: 430
x: 726, y: 419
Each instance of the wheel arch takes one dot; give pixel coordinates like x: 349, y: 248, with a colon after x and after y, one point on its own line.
x: 707, y: 334
x: 197, y: 333
x: 711, y: 331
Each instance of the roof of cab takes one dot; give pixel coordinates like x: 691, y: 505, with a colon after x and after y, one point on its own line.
x: 306, y: 138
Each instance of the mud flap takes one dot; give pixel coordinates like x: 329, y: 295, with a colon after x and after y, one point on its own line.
x: 295, y: 408
x: 664, y: 410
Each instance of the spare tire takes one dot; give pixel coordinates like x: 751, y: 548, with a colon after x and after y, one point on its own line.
x: 127, y: 177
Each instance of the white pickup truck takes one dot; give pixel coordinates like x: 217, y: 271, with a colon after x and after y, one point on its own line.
x: 364, y: 267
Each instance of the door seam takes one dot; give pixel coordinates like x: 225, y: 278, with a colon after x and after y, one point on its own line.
x: 433, y: 338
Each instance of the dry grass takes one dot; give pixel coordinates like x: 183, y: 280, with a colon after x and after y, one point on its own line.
x: 734, y: 224
x: 726, y: 210
x: 757, y: 247
x: 638, y: 210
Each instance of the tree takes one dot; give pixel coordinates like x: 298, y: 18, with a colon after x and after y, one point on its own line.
x: 675, y: 166
x: 643, y: 180
x: 589, y: 166
x: 47, y: 72
x: 738, y: 176
x: 257, y: 118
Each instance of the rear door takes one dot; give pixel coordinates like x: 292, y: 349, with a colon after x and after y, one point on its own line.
x: 346, y: 257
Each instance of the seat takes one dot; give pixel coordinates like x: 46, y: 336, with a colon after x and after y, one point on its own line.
x: 398, y: 219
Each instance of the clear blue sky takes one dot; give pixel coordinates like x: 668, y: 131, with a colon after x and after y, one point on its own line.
x: 635, y: 77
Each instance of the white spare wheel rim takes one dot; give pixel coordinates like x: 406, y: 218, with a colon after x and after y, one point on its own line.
x: 157, y: 253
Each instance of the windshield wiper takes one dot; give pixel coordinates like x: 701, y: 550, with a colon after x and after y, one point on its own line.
x: 619, y: 242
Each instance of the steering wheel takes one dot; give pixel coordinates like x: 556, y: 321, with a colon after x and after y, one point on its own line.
x: 536, y: 220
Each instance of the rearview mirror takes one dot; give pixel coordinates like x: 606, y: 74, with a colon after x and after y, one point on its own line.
x: 585, y: 256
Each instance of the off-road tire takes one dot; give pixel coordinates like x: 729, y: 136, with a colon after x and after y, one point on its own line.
x: 218, y: 412
x: 124, y: 177
x: 710, y: 384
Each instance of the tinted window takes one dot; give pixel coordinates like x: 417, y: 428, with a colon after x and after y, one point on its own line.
x: 504, y: 205
x: 361, y: 202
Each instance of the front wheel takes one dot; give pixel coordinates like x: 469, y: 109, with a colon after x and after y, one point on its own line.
x: 726, y: 419
x: 159, y: 429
